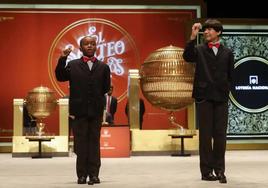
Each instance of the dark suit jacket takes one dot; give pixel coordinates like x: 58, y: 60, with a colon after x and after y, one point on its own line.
x: 213, y: 74
x: 113, y: 106
x: 28, y: 119
x: 87, y: 87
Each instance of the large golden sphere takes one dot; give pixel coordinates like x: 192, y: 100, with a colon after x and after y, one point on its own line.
x: 41, y: 102
x: 166, y: 79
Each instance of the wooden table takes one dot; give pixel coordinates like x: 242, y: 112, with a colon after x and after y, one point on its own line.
x: 181, y: 136
x: 40, y: 139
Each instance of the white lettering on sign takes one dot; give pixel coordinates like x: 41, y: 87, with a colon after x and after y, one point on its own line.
x: 251, y: 87
x: 109, y: 50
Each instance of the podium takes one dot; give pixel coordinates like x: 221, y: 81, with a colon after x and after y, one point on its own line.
x: 23, y: 147
x: 115, y: 141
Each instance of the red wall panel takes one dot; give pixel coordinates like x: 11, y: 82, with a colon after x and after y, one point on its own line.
x: 31, y: 41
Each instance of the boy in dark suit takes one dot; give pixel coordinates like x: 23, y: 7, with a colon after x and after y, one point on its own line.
x: 213, y: 76
x: 89, y: 80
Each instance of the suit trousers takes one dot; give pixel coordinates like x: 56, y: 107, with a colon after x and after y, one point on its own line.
x: 212, y: 118
x: 87, y: 146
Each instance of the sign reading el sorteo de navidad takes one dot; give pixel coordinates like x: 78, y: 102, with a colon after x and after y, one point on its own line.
x: 114, y: 47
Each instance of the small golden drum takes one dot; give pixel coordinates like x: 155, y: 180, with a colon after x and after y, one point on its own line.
x: 166, y: 79
x: 41, y: 102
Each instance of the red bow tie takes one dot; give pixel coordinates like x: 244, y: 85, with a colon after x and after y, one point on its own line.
x: 86, y: 59
x: 210, y: 45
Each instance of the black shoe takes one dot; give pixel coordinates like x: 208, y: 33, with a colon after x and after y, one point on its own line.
x: 221, y: 177
x: 82, y: 180
x: 209, y: 177
x: 93, y: 180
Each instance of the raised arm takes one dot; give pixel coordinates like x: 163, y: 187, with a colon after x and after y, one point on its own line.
x: 190, y: 53
x: 62, y: 71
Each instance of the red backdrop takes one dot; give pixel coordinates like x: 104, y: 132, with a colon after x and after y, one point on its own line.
x: 31, y: 41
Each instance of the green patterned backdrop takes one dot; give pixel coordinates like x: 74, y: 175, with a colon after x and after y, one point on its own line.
x: 242, y: 124
x: 246, y: 44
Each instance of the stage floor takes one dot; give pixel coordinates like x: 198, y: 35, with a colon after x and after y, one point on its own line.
x: 244, y: 169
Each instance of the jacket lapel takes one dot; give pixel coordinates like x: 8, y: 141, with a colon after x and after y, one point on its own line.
x: 220, y: 50
x: 95, y: 65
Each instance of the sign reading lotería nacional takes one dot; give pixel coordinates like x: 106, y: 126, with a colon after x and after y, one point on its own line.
x: 249, y: 91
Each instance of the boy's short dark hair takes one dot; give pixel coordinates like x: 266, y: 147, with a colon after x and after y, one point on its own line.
x: 212, y: 23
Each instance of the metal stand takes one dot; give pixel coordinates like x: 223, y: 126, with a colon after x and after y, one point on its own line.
x: 40, y: 140
x: 182, y: 136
